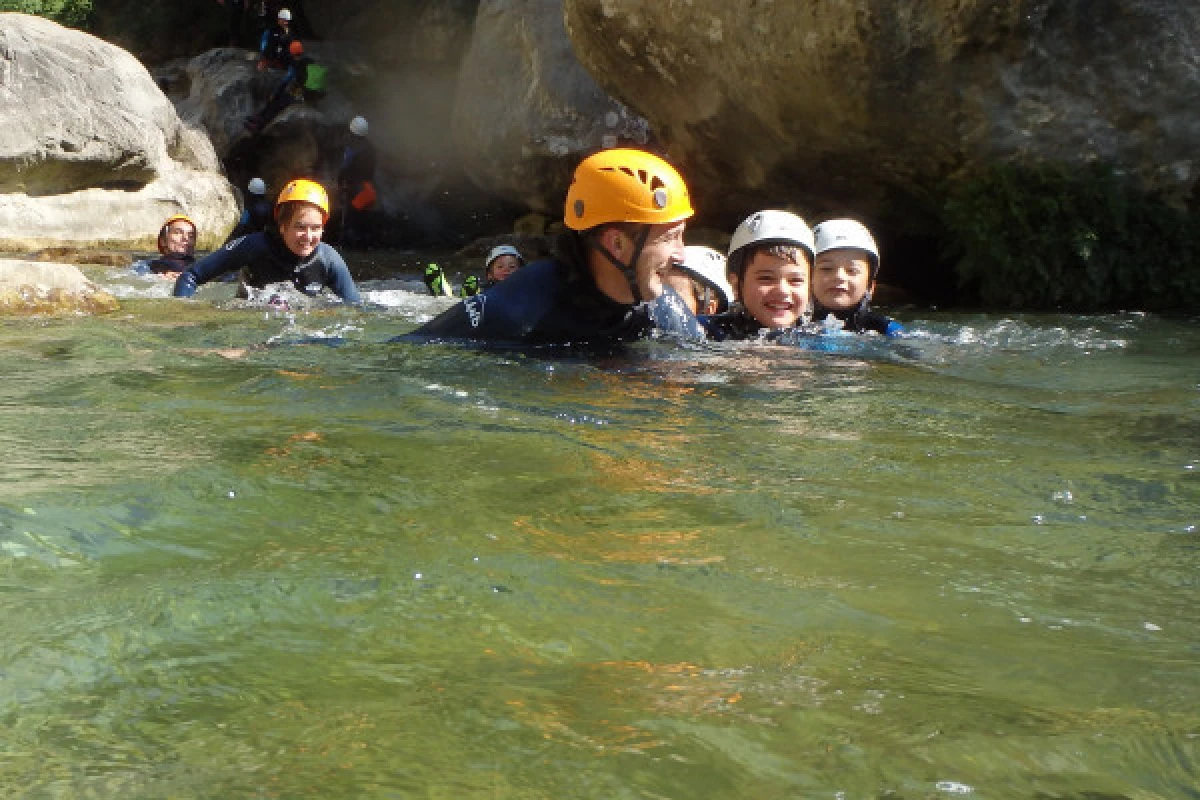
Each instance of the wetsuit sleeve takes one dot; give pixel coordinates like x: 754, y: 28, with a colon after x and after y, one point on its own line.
x: 234, y: 255
x: 511, y: 310
x: 880, y: 323
x: 337, y: 277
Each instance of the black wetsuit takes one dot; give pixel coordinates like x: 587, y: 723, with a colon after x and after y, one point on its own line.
x: 256, y: 216
x: 736, y: 323
x: 274, y: 47
x: 263, y: 258
x: 549, y: 302
x: 861, y: 319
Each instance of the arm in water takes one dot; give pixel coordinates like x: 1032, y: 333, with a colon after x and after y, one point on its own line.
x: 337, y: 276
x: 669, y: 314
x: 232, y: 256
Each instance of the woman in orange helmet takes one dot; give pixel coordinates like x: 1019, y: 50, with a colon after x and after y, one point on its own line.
x: 626, y: 211
x: 292, y: 251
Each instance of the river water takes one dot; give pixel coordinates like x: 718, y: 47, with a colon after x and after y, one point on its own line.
x: 254, y: 553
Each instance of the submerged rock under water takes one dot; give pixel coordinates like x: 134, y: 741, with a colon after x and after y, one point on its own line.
x: 29, y: 287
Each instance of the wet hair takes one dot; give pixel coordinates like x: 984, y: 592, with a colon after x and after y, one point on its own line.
x: 788, y: 252
x: 288, y: 211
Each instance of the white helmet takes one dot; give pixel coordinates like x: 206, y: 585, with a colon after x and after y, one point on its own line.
x: 284, y: 14
x: 708, y: 266
x: 768, y: 227
x: 257, y: 186
x: 358, y: 126
x: 838, y: 234
x: 503, y: 250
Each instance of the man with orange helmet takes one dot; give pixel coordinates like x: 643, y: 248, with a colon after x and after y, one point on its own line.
x: 625, y: 215
x: 292, y: 251
x: 176, y: 246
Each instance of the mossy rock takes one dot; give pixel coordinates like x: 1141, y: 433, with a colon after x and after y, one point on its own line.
x: 33, y: 288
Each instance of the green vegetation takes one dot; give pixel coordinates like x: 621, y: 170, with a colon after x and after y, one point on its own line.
x: 68, y: 12
x: 1071, y: 238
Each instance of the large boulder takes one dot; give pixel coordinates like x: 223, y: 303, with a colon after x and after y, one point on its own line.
x: 93, y: 153
x: 878, y: 107
x: 30, y: 287
x: 526, y: 110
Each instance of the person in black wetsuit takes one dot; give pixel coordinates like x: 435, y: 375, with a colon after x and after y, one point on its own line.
x: 256, y: 216
x: 844, y: 274
x: 626, y: 211
x: 177, y: 246
x: 356, y: 182
x: 770, y: 258
x: 273, y: 49
x: 294, y: 252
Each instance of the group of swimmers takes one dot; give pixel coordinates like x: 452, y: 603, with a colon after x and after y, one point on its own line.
x: 620, y: 269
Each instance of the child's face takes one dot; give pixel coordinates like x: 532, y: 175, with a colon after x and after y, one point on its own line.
x: 841, y: 278
x: 774, y: 290
x: 502, y: 267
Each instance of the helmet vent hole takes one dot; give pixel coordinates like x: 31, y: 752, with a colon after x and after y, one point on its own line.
x: 642, y: 176
x: 656, y: 183
x: 579, y: 208
x: 628, y: 172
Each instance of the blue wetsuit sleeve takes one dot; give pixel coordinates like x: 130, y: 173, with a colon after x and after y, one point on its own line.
x: 893, y: 328
x: 338, y: 278
x: 234, y: 255
x: 671, y: 315
x: 266, y: 40
x: 511, y: 310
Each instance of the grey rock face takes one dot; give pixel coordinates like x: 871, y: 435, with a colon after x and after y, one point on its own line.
x: 879, y: 106
x: 92, y: 152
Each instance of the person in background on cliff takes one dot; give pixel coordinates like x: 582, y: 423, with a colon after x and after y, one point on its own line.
x: 844, y: 274
x: 626, y: 211
x: 256, y: 216
x: 770, y: 259
x: 356, y: 183
x: 303, y: 82
x: 291, y: 252
x: 273, y: 49
x: 700, y: 280
x: 176, y: 246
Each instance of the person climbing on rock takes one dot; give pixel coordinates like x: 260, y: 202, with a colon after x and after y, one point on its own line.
x: 844, y: 274
x: 176, y: 246
x: 770, y: 259
x: 356, y: 183
x: 626, y: 211
x: 292, y: 251
x: 273, y: 49
x: 304, y: 82
x: 256, y: 216
x: 700, y: 280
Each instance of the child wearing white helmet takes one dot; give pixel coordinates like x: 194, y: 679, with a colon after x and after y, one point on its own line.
x: 700, y: 280
x: 770, y: 260
x: 273, y: 49
x: 844, y: 274
x: 502, y: 261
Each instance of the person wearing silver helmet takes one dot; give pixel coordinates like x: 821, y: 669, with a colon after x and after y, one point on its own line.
x: 844, y: 274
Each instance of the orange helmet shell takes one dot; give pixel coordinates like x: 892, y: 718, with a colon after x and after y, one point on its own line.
x: 625, y: 185
x: 303, y: 190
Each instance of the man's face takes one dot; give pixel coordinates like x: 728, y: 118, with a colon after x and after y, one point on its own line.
x: 663, y: 250
x: 841, y: 278
x: 774, y: 290
x: 180, y: 239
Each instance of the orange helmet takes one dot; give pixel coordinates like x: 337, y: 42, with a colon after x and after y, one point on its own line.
x: 624, y: 185
x: 303, y: 190
x: 162, y: 232
x: 296, y: 48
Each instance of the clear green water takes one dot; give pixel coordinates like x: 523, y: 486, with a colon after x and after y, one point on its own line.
x: 964, y: 565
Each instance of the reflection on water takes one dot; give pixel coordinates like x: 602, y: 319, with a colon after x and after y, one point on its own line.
x: 254, y: 552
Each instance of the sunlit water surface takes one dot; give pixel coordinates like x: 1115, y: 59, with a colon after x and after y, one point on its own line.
x: 252, y: 553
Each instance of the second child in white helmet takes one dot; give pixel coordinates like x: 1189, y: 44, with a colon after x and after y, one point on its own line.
x: 701, y: 281
x: 276, y: 39
x: 844, y: 274
x: 770, y: 261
